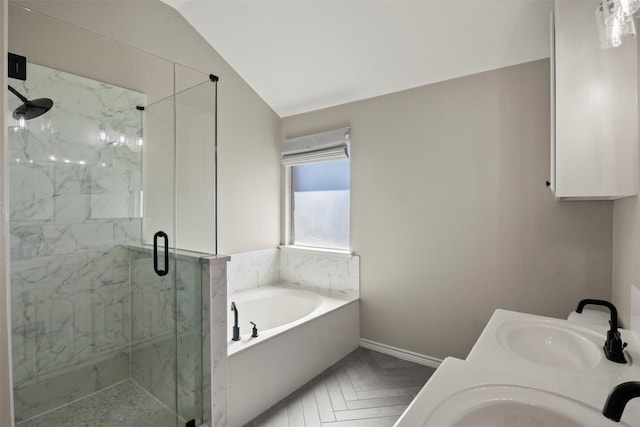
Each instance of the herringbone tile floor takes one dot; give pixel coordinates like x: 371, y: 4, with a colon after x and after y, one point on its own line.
x: 365, y: 389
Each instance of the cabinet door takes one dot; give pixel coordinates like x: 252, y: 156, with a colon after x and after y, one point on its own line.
x: 596, y: 109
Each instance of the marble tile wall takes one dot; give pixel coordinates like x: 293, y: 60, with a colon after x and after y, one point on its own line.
x: 74, y: 205
x: 153, y: 352
x: 215, y: 341
x: 248, y: 270
x: 306, y: 268
x: 206, y: 343
x: 321, y: 271
x: 155, y: 355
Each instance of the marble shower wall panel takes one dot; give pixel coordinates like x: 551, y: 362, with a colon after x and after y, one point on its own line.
x: 155, y: 304
x: 206, y: 343
x: 215, y: 342
x: 127, y: 232
x: 248, y: 270
x: 127, y: 154
x: 153, y: 309
x: 189, y: 339
x: 75, y: 183
x: 152, y: 327
x: 70, y: 309
x: 34, y: 399
x: 323, y: 272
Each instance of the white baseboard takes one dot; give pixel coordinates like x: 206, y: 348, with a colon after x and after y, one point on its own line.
x: 410, y: 356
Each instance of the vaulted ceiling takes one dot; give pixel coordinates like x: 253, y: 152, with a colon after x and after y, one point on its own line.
x: 303, y: 55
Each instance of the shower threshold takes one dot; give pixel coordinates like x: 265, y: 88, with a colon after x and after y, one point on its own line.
x: 124, y: 404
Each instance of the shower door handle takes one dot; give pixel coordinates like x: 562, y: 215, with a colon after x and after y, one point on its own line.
x: 164, y: 236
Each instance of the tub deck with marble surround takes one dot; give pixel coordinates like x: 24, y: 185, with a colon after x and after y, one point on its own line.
x: 124, y: 404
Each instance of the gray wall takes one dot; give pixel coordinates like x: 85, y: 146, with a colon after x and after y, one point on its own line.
x: 450, y: 213
x: 248, y: 144
x: 626, y: 252
x: 6, y: 411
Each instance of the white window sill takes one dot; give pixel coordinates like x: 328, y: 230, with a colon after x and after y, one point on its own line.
x: 318, y: 251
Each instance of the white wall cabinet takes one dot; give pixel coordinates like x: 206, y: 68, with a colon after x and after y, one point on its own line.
x: 594, y: 108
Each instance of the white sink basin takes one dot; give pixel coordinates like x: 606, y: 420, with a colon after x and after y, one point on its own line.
x: 541, y: 346
x: 467, y: 394
x: 551, y: 345
x: 508, y: 406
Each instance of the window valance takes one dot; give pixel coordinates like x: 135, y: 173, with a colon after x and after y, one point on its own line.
x: 319, y: 147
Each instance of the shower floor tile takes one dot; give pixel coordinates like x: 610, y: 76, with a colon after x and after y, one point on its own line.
x: 125, y: 404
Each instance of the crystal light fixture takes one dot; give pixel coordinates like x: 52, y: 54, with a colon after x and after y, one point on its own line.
x: 615, y: 22
x: 630, y: 6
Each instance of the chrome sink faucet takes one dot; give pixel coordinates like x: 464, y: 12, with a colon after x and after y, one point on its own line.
x: 236, y: 328
x: 613, y: 346
x: 618, y: 398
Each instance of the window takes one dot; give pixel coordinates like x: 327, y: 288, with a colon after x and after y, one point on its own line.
x: 320, y: 204
x: 318, y: 189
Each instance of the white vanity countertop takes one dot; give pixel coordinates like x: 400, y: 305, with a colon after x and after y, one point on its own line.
x: 457, y: 377
x: 492, y: 348
x: 549, y: 364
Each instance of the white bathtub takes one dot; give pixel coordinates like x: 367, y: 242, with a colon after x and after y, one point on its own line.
x: 300, y: 334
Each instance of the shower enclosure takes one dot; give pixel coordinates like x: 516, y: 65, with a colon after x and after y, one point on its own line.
x: 112, y: 209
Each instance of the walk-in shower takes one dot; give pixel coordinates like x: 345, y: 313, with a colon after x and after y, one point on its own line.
x: 112, y: 210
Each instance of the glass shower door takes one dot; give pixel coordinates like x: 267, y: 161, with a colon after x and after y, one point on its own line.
x: 154, y: 266
x: 196, y: 232
x: 179, y: 172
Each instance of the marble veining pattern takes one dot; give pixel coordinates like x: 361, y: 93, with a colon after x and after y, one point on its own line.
x: 248, y: 270
x: 155, y: 355
x: 69, y: 385
x: 217, y: 386
x: 75, y: 177
x: 318, y: 271
x: 206, y: 344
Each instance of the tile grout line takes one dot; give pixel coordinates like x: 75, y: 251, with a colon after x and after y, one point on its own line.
x: 157, y: 400
x: 375, y: 410
x: 340, y: 387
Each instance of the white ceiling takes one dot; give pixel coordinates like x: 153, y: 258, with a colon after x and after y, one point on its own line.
x: 303, y: 55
